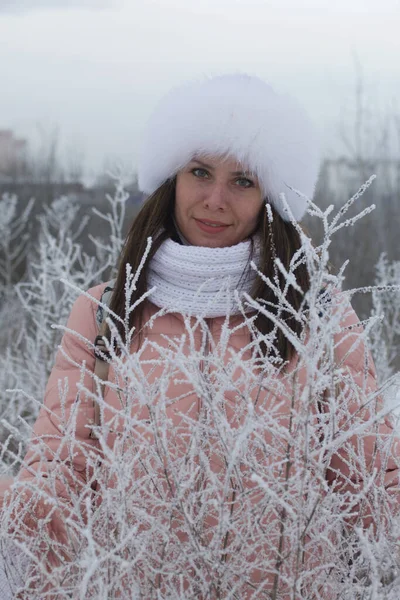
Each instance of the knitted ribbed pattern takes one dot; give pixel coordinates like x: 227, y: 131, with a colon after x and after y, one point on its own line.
x: 201, y: 281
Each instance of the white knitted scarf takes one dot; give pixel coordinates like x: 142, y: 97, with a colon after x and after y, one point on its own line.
x: 201, y: 281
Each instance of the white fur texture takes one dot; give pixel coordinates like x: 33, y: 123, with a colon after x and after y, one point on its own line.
x: 239, y: 116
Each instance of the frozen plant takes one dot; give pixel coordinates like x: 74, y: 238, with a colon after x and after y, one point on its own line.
x: 385, y: 338
x: 33, y: 304
x: 14, y: 246
x: 14, y: 235
x: 253, y: 478
x: 109, y: 249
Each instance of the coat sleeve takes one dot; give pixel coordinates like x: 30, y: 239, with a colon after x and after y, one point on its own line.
x: 370, y: 447
x: 60, y: 443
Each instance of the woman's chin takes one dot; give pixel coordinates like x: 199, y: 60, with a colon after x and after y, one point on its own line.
x: 210, y: 240
x: 212, y: 243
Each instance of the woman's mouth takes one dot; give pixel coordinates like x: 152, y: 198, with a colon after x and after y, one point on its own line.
x: 211, y: 226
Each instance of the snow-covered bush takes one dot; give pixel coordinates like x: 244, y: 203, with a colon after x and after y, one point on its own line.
x: 39, y: 300
x: 14, y: 237
x: 240, y: 501
x: 385, y: 337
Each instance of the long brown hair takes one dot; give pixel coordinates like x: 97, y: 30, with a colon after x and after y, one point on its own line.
x: 279, y: 240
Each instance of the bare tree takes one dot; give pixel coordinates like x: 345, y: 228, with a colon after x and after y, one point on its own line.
x: 370, y: 139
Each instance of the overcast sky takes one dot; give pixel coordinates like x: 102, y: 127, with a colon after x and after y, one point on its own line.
x: 95, y: 68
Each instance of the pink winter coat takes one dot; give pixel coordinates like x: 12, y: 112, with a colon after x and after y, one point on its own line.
x: 71, y: 463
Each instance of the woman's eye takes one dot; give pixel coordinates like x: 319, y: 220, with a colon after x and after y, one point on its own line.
x: 199, y: 172
x: 242, y: 182
x: 245, y: 182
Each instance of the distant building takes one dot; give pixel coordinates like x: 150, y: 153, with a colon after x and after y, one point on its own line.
x: 12, y: 153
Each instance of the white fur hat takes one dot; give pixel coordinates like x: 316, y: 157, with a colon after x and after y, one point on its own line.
x: 239, y: 116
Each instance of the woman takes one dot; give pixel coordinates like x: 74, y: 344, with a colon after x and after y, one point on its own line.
x: 206, y: 334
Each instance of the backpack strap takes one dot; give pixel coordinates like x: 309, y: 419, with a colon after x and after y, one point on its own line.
x: 102, y: 356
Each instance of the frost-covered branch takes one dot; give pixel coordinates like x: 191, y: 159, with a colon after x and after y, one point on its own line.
x: 215, y: 472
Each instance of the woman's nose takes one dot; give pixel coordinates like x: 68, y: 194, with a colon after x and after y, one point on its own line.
x: 217, y: 197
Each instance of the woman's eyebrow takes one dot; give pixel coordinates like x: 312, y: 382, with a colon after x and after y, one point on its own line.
x: 211, y: 168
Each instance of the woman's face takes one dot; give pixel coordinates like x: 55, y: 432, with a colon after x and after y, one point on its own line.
x: 217, y: 203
